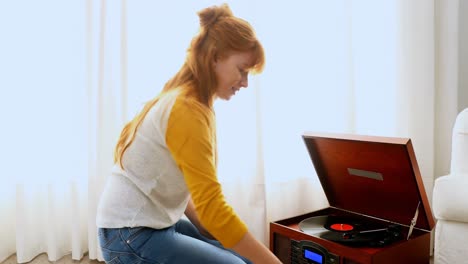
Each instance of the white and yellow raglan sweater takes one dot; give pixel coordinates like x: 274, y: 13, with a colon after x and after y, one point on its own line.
x: 172, y: 157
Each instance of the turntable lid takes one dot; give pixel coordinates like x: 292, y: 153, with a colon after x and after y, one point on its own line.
x: 373, y: 176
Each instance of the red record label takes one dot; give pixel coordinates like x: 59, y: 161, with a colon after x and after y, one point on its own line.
x: 341, y: 227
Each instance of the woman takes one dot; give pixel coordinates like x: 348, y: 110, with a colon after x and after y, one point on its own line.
x: 165, y: 161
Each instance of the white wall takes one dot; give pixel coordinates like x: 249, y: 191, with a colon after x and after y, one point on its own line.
x: 463, y: 56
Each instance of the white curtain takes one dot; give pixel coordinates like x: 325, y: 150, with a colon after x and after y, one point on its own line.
x: 73, y: 73
x: 44, y: 151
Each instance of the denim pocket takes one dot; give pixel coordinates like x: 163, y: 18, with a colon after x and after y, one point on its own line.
x: 133, y: 233
x: 121, y: 245
x: 137, y: 237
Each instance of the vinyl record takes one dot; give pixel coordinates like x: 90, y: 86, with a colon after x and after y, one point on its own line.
x: 350, y: 231
x: 373, y: 238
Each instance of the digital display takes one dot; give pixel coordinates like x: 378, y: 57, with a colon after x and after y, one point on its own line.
x: 315, y: 257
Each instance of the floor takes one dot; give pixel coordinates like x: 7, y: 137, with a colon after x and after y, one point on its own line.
x: 42, y: 259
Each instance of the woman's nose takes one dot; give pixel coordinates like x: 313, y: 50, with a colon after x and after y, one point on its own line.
x: 244, y: 81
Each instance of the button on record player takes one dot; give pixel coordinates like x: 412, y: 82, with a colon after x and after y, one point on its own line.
x: 379, y: 212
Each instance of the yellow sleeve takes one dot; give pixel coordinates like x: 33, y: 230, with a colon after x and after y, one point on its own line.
x: 190, y: 137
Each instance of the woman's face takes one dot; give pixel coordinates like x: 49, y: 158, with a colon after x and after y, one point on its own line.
x: 231, y: 73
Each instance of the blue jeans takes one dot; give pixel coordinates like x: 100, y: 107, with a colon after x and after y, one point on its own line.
x: 180, y: 243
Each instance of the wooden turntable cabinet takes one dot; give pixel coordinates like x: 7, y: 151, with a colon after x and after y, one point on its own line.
x: 373, y: 179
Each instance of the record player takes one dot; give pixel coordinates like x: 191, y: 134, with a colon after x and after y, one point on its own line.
x: 379, y: 212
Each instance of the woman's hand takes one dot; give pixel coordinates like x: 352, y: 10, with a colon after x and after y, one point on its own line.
x: 255, y: 251
x: 193, y: 217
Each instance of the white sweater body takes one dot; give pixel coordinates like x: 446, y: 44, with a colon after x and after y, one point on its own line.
x: 151, y: 191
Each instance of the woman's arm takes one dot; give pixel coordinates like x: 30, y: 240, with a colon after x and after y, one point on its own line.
x: 193, y: 217
x: 248, y: 246
x: 190, y: 138
x: 255, y: 251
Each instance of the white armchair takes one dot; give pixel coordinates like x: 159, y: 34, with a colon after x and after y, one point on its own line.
x: 450, y: 201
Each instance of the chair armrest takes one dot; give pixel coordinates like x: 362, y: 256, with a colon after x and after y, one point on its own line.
x: 450, y: 198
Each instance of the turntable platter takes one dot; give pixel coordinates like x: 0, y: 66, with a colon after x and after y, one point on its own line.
x: 314, y: 225
x: 350, y: 231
